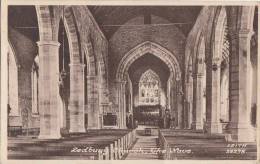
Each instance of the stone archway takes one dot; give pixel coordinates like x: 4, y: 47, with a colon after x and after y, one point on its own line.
x: 199, y: 86
x: 188, y: 102
x: 148, y: 47
x: 13, y: 66
x: 48, y: 21
x: 121, y: 75
x: 240, y: 26
x: 214, y: 61
x: 77, y: 79
x: 97, y: 89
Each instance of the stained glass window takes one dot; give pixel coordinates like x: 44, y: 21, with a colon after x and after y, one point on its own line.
x: 149, y: 88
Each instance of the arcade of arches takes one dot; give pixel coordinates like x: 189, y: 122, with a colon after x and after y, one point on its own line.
x: 85, y: 67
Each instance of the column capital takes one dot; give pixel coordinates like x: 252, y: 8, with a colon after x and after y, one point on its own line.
x: 48, y: 42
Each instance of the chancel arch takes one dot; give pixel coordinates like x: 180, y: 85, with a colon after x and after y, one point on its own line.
x: 142, y: 49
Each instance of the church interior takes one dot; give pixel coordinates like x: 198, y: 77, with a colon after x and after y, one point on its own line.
x: 184, y: 79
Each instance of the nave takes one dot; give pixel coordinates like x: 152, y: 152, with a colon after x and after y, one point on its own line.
x: 98, y: 75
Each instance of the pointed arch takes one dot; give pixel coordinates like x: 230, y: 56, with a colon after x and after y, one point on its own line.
x: 200, y: 57
x: 220, y: 26
x: 90, y: 58
x: 11, y: 49
x: 12, y: 81
x: 148, y: 47
x: 73, y: 36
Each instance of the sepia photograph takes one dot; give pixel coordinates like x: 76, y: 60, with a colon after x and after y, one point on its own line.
x: 131, y: 82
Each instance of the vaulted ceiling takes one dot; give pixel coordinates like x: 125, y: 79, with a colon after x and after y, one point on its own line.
x: 110, y: 18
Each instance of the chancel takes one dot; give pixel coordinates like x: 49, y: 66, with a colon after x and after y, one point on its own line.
x: 180, y: 79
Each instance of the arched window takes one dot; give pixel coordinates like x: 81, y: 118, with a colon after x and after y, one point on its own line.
x: 35, y: 86
x: 149, y: 88
x: 12, y: 82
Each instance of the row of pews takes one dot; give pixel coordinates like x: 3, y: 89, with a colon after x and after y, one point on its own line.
x: 104, y: 144
x: 188, y: 144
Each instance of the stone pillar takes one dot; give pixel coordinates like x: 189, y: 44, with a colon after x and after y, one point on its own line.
x: 258, y: 95
x: 77, y: 95
x: 240, y: 127
x: 180, y: 111
x: 168, y: 103
x: 189, y: 104
x: 213, y: 121
x: 49, y: 107
x: 193, y: 109
x: 93, y: 106
x: 122, y: 104
x: 197, y: 121
x: 179, y: 104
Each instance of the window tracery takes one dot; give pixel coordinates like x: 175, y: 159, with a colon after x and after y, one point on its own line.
x: 149, y: 85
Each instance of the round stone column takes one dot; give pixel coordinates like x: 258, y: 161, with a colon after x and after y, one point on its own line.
x: 77, y: 98
x: 197, y: 118
x: 121, y: 104
x: 93, y: 106
x: 213, y: 119
x: 49, y: 107
x: 240, y: 96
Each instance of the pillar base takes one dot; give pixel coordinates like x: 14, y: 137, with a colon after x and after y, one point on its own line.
x: 197, y: 126
x: 94, y: 128
x: 242, y: 132
x: 81, y: 130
